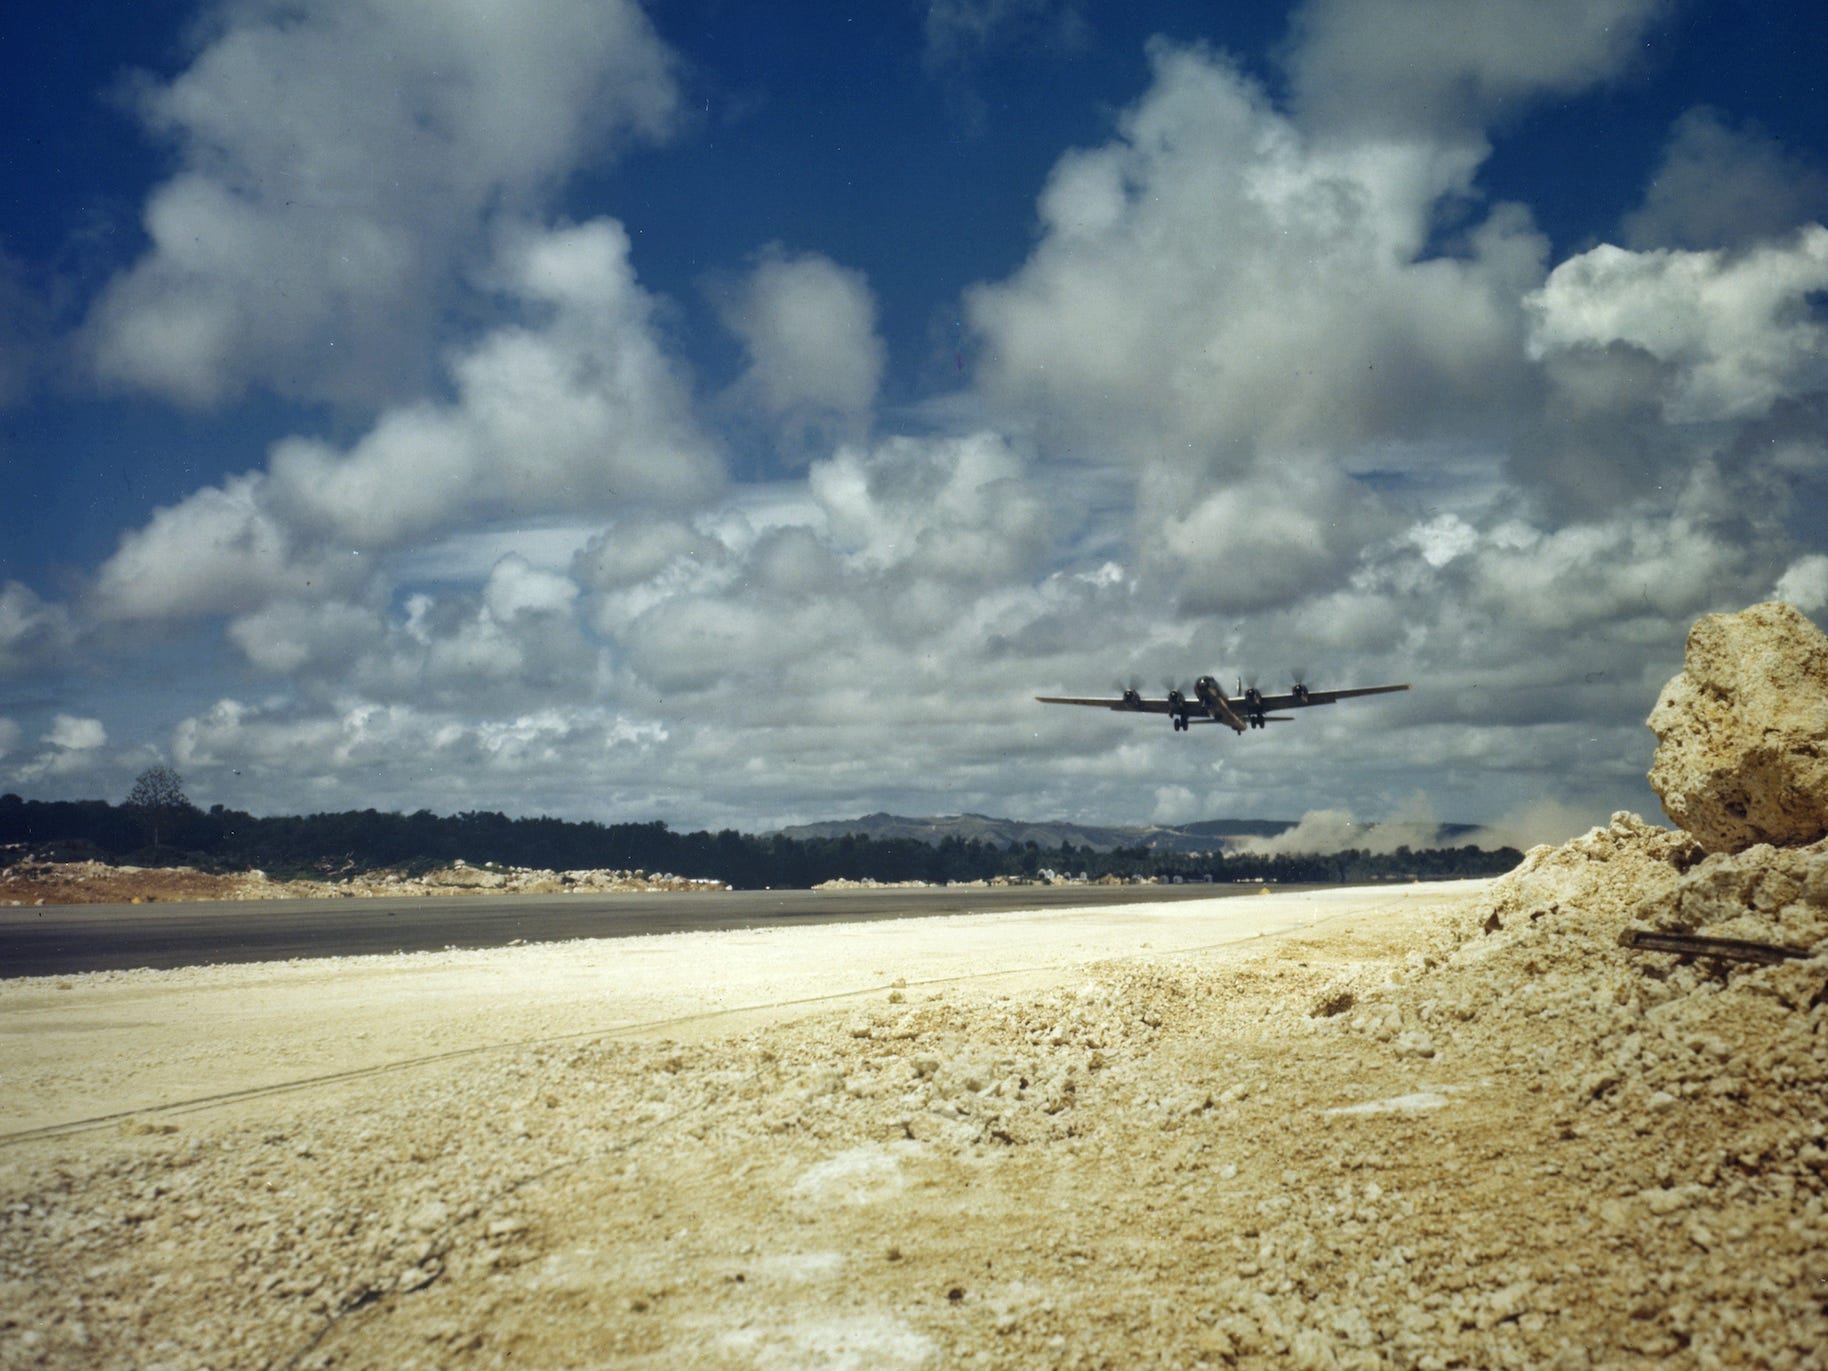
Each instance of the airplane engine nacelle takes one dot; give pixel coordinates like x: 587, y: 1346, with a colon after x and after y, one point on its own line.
x: 1132, y: 699
x: 1253, y: 698
x: 1301, y: 693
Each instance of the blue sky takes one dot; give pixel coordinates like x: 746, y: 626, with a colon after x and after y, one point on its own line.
x: 736, y: 415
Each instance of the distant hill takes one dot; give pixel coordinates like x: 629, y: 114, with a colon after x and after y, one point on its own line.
x: 1206, y: 836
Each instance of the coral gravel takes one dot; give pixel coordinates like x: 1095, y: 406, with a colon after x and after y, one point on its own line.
x: 1482, y: 1134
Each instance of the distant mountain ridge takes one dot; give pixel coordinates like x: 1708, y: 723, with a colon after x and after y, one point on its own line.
x: 1206, y: 836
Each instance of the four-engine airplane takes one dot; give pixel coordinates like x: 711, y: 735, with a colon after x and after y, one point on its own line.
x: 1249, y: 708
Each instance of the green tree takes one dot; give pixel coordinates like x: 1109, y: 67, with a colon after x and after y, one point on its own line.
x: 158, y: 796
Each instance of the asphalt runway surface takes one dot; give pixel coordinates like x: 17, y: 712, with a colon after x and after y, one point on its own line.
x: 62, y: 940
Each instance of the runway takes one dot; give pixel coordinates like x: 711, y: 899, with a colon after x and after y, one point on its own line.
x: 61, y: 940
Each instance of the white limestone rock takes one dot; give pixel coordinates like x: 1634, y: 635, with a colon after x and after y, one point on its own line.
x: 1742, y: 733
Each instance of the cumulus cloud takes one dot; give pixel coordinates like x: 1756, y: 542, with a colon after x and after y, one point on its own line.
x: 292, y: 637
x: 1265, y: 540
x: 1665, y: 565
x: 808, y: 327
x: 1805, y: 583
x: 575, y: 410
x: 72, y: 749
x: 357, y: 753
x: 1722, y: 185
x: 76, y: 734
x: 335, y: 165
x: 218, y: 551
x: 1213, y: 285
x: 580, y: 409
x: 34, y: 632
x: 516, y: 587
x: 951, y: 508
x: 1176, y: 804
x: 910, y: 548
x: 511, y: 643
x: 1731, y: 333
x: 632, y: 553
x: 1448, y: 67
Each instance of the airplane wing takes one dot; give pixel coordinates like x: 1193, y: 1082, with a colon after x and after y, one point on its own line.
x: 1128, y: 706
x: 1210, y: 704
x: 1302, y: 699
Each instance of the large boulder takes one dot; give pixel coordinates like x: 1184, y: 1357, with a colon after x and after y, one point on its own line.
x: 1742, y: 733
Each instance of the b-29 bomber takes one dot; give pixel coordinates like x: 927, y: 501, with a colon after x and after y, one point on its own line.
x: 1209, y: 704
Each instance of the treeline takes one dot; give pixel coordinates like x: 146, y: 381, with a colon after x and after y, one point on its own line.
x: 330, y: 846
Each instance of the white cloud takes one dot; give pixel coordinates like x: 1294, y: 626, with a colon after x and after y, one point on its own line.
x: 629, y: 554
x: 1213, y: 285
x: 219, y: 551
x: 808, y: 327
x: 76, y: 734
x: 1450, y: 67
x: 34, y: 632
x: 578, y: 411
x: 1730, y: 330
x: 292, y: 637
x: 1667, y: 566
x: 1443, y: 538
x: 1176, y: 804
x: 1721, y: 186
x: 515, y: 587
x: 1805, y: 583
x: 358, y: 753
x: 951, y: 508
x: 1261, y: 542
x: 337, y: 162
x: 581, y: 411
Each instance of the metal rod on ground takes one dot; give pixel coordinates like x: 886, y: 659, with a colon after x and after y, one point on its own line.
x: 1725, y: 949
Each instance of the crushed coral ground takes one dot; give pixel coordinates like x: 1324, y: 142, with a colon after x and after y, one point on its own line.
x: 1475, y: 1131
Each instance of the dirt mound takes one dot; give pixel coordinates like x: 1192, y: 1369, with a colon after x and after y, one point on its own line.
x: 32, y: 882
